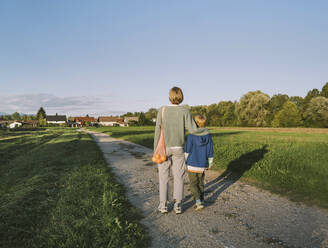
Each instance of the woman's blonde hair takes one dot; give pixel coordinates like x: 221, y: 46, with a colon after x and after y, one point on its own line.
x: 176, y: 95
x: 200, y: 120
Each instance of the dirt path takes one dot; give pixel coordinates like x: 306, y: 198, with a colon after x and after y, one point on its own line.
x: 236, y: 214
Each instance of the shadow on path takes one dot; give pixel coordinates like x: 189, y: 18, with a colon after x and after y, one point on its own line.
x: 232, y: 174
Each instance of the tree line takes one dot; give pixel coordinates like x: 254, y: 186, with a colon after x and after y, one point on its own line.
x: 257, y: 109
x: 254, y: 109
x: 41, y: 114
x: 18, y: 117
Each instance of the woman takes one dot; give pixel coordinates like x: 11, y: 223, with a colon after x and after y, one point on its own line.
x: 176, y: 120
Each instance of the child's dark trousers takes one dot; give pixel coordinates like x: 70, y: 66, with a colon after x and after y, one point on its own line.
x: 197, y: 185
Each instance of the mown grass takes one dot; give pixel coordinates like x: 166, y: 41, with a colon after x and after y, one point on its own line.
x: 56, y: 190
x: 292, y: 162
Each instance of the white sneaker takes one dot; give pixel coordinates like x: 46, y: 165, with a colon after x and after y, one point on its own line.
x: 178, y: 208
x: 199, y: 206
x: 163, y: 208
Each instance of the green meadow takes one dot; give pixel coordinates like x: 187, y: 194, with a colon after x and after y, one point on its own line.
x: 291, y: 162
x: 56, y: 190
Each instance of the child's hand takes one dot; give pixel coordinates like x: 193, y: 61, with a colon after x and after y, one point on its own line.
x: 186, y: 155
x: 210, y: 163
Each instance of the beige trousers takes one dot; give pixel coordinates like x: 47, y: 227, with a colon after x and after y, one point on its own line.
x: 176, y: 160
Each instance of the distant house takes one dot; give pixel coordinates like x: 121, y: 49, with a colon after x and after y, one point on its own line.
x: 110, y: 121
x: 56, y: 119
x: 32, y: 123
x: 3, y: 123
x: 83, y: 121
x: 71, y: 122
x: 15, y: 124
x: 130, y: 119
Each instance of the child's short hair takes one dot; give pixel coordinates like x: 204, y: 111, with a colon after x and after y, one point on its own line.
x: 200, y: 120
x: 176, y: 95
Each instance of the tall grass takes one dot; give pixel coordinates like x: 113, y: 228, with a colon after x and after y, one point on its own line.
x: 287, y: 161
x: 56, y: 190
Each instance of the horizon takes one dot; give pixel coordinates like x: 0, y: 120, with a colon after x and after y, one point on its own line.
x: 111, y: 58
x: 117, y: 114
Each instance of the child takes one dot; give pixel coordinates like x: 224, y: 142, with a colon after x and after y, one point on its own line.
x: 176, y: 119
x: 199, y: 156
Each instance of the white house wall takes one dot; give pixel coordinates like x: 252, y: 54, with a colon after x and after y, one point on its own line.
x: 107, y: 123
x: 57, y: 122
x: 14, y: 124
x: 110, y: 124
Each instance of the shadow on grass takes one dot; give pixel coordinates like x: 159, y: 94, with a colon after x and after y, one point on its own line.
x: 232, y: 174
x: 19, y: 132
x: 22, y: 147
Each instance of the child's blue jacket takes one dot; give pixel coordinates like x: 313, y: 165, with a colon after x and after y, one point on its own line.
x: 199, y: 148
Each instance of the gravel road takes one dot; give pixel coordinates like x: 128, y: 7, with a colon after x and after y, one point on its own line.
x: 235, y: 214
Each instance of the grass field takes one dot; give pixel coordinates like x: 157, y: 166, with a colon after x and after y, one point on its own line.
x: 56, y: 190
x: 292, y: 162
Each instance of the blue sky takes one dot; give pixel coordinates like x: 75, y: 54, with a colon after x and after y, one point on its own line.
x: 109, y: 57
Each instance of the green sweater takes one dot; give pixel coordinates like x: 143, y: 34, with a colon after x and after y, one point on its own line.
x: 176, y: 120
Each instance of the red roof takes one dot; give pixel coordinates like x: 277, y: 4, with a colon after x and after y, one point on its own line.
x: 85, y: 119
x: 110, y: 119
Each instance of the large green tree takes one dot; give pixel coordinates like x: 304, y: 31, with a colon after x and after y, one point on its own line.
x: 213, y: 115
x: 27, y: 117
x: 288, y: 116
x: 16, y: 116
x: 316, y: 114
x: 299, y: 101
x: 251, y: 110
x: 7, y: 117
x: 307, y: 99
x: 151, y: 113
x: 128, y: 114
x: 275, y: 105
x: 312, y: 94
x: 227, y: 113
x: 324, y: 90
x: 41, y: 114
x: 229, y: 117
x: 198, y: 110
x: 142, y: 119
